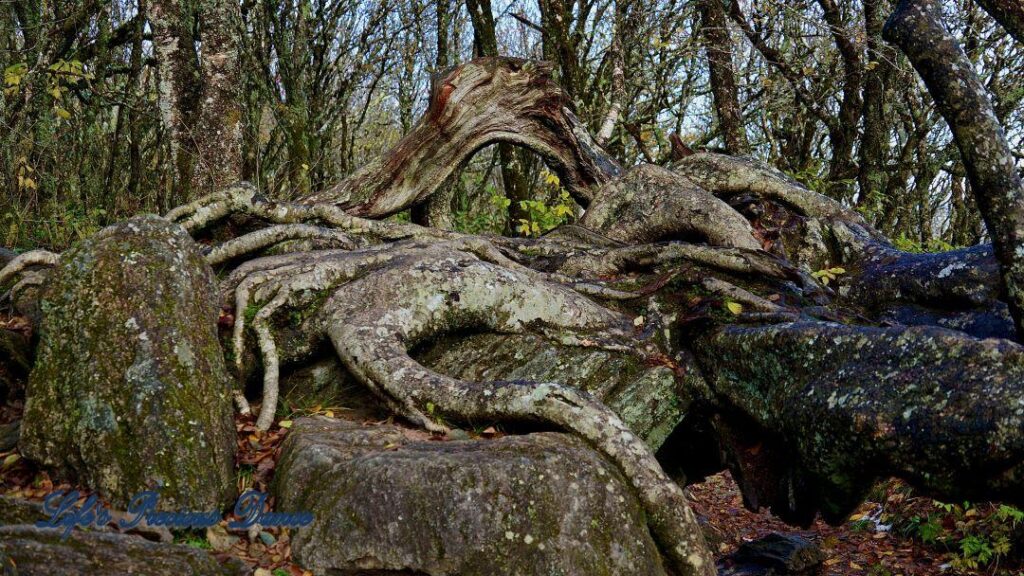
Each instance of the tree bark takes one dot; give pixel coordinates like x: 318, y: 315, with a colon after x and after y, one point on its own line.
x: 485, y: 101
x: 197, y: 93
x: 718, y: 46
x: 1009, y: 13
x: 917, y: 28
x: 874, y: 147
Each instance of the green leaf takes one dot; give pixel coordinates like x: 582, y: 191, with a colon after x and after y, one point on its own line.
x: 14, y: 73
x: 734, y: 307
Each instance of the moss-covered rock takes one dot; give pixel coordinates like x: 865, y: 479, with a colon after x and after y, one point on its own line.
x: 43, y: 552
x: 129, y: 391
x: 20, y: 511
x: 537, y: 504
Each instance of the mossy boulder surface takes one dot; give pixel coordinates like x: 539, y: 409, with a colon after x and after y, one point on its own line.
x: 541, y: 503
x: 44, y: 552
x: 129, y: 391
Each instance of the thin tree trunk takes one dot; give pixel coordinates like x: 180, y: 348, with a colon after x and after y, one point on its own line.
x: 1009, y: 13
x: 874, y: 147
x: 442, y: 34
x: 718, y: 45
x: 845, y: 134
x: 514, y: 162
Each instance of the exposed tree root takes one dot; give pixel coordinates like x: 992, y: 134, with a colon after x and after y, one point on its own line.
x: 810, y: 410
x: 727, y: 176
x: 242, y: 200
x: 267, y: 237
x: 400, y: 306
x: 848, y: 405
x: 606, y: 262
x: 650, y: 203
x: 27, y: 260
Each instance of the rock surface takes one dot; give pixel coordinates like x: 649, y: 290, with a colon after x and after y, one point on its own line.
x: 774, y: 555
x: 129, y: 391
x: 15, y: 361
x: 43, y: 552
x: 20, y: 511
x: 648, y: 399
x: 9, y: 434
x: 537, y: 504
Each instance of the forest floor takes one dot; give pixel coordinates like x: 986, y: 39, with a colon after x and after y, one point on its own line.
x: 862, y: 545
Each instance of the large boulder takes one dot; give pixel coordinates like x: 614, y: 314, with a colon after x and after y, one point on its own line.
x: 541, y: 503
x: 129, y: 391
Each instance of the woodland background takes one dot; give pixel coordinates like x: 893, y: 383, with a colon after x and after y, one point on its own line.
x: 323, y: 85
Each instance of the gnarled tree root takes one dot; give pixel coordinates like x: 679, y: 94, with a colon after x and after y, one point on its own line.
x: 397, y: 307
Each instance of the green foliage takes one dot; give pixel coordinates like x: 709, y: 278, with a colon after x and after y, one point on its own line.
x: 244, y: 476
x: 193, y: 539
x: 542, y: 217
x: 879, y: 569
x: 23, y: 228
x: 932, y: 245
x: 975, y: 537
x: 405, y: 216
x: 862, y: 525
x: 927, y: 529
x: 826, y: 275
x: 489, y: 220
x: 815, y: 177
x: 13, y: 75
x: 250, y: 312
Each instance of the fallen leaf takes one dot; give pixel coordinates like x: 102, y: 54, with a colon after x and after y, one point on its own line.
x: 219, y: 538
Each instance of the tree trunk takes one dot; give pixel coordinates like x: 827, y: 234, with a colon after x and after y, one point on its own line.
x: 514, y: 163
x: 1009, y: 13
x: 718, y: 46
x: 916, y: 27
x: 874, y: 146
x: 844, y: 135
x: 485, y: 101
x: 197, y: 93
